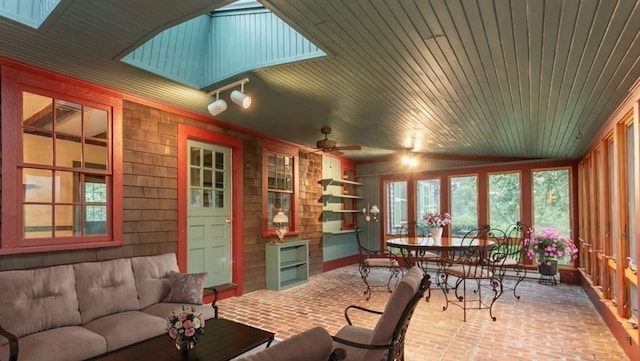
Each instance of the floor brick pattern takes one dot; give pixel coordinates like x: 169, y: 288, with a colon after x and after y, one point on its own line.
x: 547, y: 323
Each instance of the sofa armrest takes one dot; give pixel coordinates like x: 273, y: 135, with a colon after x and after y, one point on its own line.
x: 13, y: 344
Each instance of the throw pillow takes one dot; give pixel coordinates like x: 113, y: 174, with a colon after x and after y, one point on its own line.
x: 186, y: 287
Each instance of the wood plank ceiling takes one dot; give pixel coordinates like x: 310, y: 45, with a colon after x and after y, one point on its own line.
x: 502, y: 78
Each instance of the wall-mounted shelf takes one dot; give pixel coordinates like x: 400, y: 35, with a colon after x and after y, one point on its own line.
x: 341, y: 211
x: 344, y: 231
x: 334, y: 181
x: 346, y: 196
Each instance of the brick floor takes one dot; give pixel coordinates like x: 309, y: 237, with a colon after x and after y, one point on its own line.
x: 547, y: 323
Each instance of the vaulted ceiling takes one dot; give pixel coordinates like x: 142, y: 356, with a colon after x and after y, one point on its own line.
x: 503, y: 78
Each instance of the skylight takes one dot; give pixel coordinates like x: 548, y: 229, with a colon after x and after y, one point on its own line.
x: 32, y: 13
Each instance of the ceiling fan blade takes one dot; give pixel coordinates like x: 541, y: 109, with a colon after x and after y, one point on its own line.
x: 348, y: 147
x: 336, y: 152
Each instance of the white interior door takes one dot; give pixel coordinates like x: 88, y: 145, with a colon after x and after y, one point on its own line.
x: 209, y: 212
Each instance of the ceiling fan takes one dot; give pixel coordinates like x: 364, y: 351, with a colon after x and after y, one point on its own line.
x: 330, y: 145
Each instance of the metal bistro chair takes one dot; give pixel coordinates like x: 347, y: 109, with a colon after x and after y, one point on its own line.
x: 470, y: 264
x: 370, y: 259
x: 509, y: 256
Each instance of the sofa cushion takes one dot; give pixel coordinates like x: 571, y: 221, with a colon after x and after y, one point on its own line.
x: 70, y: 343
x: 105, y: 287
x: 151, y: 274
x: 186, y: 288
x: 126, y: 328
x: 29, y: 297
x: 165, y: 310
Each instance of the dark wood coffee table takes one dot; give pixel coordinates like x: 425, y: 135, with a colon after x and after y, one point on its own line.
x: 222, y: 340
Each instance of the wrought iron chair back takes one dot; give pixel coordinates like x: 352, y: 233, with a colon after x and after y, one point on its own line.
x: 371, y: 259
x: 509, y: 256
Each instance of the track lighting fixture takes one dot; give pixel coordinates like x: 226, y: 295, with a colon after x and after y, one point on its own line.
x: 237, y: 96
x: 218, y: 106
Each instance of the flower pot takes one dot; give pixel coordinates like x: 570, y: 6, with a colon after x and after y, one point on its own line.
x: 548, y: 267
x: 436, y: 234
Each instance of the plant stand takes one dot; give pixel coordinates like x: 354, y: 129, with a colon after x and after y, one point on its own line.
x: 548, y: 273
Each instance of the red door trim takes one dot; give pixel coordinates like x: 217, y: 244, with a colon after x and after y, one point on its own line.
x: 186, y: 133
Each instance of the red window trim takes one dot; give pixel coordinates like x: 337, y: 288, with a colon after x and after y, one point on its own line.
x: 274, y: 146
x: 15, y: 79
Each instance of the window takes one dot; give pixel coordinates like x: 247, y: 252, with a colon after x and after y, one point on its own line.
x: 551, y: 201
x: 65, y: 166
x: 396, y: 209
x: 280, y: 191
x: 504, y: 200
x: 464, y: 204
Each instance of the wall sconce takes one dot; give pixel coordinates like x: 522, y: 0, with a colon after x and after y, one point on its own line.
x: 371, y: 213
x: 279, y: 223
x: 237, y: 96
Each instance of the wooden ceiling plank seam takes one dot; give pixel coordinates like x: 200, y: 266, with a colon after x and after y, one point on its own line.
x: 550, y: 29
x: 574, y: 64
x: 392, y: 50
x: 535, y: 24
x: 478, y: 31
x: 521, y: 30
x: 449, y: 29
x: 429, y: 55
x: 596, y: 83
x: 416, y: 39
x: 603, y: 12
x: 566, y: 29
x: 390, y: 86
x: 504, y: 27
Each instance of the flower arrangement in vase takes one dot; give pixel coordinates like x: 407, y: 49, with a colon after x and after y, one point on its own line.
x: 437, y: 220
x: 548, y: 245
x: 185, y: 327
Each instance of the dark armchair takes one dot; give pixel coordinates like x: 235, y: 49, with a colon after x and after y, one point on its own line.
x: 386, y: 340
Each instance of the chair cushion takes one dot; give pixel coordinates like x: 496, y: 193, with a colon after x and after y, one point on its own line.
x: 359, y: 335
x: 29, y: 296
x: 186, y: 288
x: 105, y: 287
x: 151, y: 274
x: 69, y: 343
x: 311, y: 345
x: 468, y: 271
x: 398, y: 301
x: 381, y: 262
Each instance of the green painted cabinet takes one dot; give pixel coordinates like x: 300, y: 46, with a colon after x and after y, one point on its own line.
x: 287, y: 264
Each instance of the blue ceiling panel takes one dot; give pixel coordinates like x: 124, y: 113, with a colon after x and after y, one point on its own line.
x: 31, y: 13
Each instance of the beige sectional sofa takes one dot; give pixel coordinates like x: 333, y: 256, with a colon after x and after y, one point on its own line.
x: 79, y: 311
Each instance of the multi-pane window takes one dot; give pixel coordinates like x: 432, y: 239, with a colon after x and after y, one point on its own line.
x: 65, y: 168
x: 279, y: 185
x: 504, y: 200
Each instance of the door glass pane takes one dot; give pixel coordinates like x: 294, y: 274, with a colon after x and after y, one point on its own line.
x: 613, y: 226
x: 396, y: 213
x: 427, y: 201
x: 631, y: 234
x: 504, y: 200
x: 207, y: 158
x: 195, y: 156
x: 464, y: 204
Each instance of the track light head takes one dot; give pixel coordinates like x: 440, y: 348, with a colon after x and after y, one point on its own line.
x: 241, y: 99
x: 217, y: 107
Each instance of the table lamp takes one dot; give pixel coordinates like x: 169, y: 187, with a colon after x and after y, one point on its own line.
x: 279, y: 223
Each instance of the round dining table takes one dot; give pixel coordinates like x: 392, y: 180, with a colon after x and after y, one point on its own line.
x: 439, y: 254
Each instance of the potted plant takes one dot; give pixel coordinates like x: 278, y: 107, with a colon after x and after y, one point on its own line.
x: 547, y: 246
x: 436, y: 221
